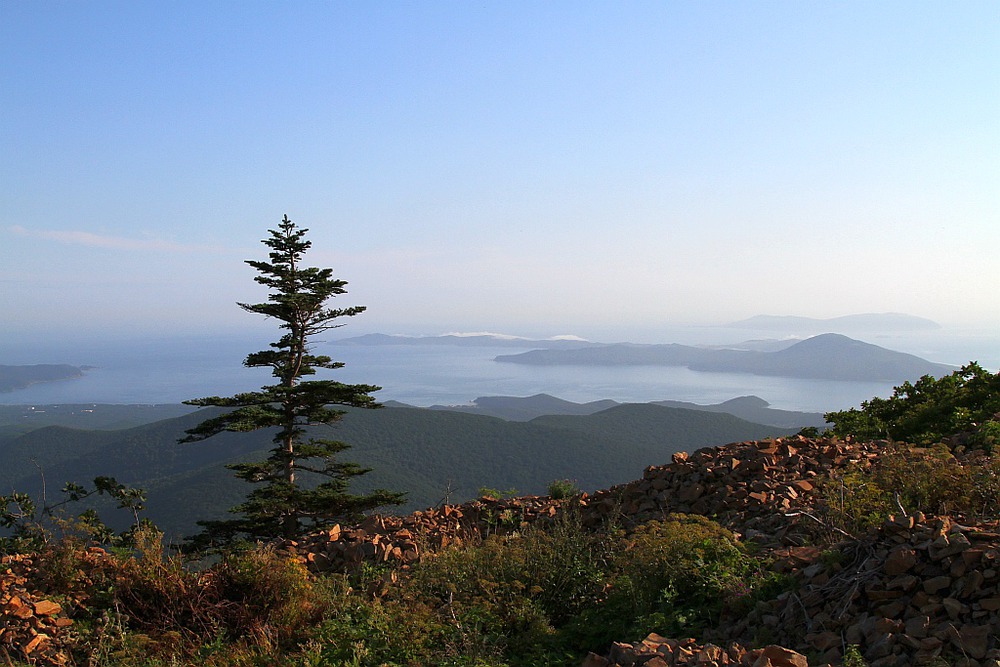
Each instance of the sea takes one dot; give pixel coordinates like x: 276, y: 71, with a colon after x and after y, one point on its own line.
x: 170, y: 369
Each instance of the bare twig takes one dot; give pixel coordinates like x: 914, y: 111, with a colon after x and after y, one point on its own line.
x: 821, y: 522
x: 899, y: 503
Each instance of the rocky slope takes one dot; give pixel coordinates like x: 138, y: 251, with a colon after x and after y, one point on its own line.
x: 918, y: 590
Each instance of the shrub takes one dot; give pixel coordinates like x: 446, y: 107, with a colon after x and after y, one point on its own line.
x: 932, y: 480
x: 508, y: 595
x: 549, y: 595
x: 927, y: 411
x: 678, y: 576
x: 266, y: 596
x: 496, y: 494
x: 31, y: 526
x: 560, y: 489
x: 853, y: 657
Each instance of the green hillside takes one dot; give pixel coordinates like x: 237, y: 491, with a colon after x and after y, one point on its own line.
x: 660, y: 429
x: 17, y: 419
x: 429, y: 454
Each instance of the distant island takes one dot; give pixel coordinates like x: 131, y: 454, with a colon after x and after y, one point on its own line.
x: 868, y: 322
x: 824, y: 357
x: 13, y: 378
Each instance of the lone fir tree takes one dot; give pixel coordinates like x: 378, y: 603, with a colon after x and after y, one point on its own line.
x: 282, y: 506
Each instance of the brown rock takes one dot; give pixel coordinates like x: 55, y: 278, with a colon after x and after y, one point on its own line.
x: 900, y: 560
x: 783, y: 657
x: 917, y: 626
x: 710, y: 653
x: 937, y: 584
x: 46, y: 608
x: 594, y: 660
x: 653, y: 641
x: 824, y: 641
x: 691, y: 492
x: 33, y: 644
x: 972, y: 640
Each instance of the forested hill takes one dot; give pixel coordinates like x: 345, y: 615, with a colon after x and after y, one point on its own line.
x: 431, y: 455
x: 516, y: 408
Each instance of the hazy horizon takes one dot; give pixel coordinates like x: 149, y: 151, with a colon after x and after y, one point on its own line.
x: 610, y: 171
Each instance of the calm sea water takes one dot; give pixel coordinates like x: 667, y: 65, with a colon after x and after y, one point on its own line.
x: 171, y: 370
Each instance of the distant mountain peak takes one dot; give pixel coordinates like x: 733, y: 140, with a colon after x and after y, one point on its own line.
x: 745, y: 402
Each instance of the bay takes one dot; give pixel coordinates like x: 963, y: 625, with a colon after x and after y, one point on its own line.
x: 172, y: 369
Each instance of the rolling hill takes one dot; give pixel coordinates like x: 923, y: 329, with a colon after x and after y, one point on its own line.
x: 430, y: 454
x: 515, y: 408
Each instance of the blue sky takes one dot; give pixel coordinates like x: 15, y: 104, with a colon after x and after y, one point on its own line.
x: 598, y: 168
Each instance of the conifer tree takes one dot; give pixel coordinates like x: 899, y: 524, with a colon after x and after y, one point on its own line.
x: 282, y: 506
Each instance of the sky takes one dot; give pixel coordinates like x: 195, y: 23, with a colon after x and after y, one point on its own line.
x: 603, y: 169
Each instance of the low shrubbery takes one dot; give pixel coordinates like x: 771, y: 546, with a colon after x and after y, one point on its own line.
x: 560, y: 489
x: 905, y: 479
x: 965, y: 403
x: 546, y: 595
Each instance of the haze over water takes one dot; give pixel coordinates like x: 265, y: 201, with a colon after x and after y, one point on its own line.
x: 170, y: 370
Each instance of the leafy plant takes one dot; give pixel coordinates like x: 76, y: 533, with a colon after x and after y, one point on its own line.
x: 853, y: 657
x: 929, y: 410
x: 906, y: 479
x: 550, y: 594
x: 680, y: 574
x: 560, y: 489
x: 31, y: 526
x: 496, y: 494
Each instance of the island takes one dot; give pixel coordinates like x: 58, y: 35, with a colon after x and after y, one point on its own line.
x: 13, y: 378
x: 824, y: 357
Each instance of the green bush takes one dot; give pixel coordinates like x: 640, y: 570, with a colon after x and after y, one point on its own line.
x: 508, y: 594
x: 677, y: 577
x: 560, y: 489
x: 932, y: 480
x: 496, y: 494
x: 927, y: 411
x: 549, y: 595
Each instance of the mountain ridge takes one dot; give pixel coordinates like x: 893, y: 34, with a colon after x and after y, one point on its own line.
x: 827, y: 356
x: 429, y: 453
x: 514, y: 408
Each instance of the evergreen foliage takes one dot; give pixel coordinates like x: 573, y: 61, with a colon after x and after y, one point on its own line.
x: 965, y: 402
x: 283, y: 506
